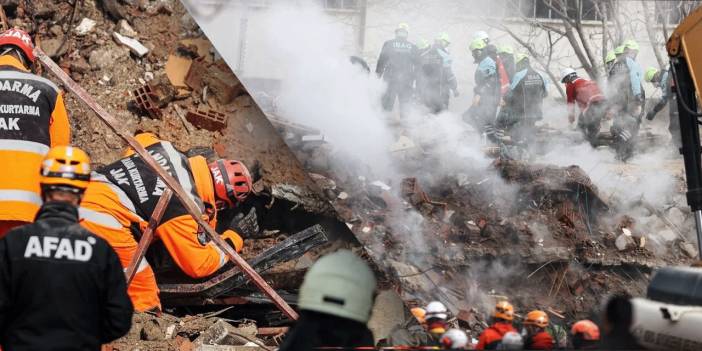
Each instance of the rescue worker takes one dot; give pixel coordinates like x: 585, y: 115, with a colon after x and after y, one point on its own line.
x: 437, y: 81
x: 506, y: 54
x: 33, y: 120
x: 436, y: 322
x: 524, y: 101
x: 481, y: 35
x: 454, y: 339
x: 396, y: 65
x: 123, y: 195
x: 486, y: 98
x: 536, y: 336
x: 492, y: 336
x: 663, y: 80
x: 627, y: 99
x: 585, y: 335
x: 61, y: 287
x: 590, y: 100
x: 336, y: 299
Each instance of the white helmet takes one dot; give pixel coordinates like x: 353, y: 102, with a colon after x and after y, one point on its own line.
x: 511, y: 341
x: 339, y: 284
x: 436, y: 309
x: 480, y: 35
x: 454, y: 339
x: 566, y: 72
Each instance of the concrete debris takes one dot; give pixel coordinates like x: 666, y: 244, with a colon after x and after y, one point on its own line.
x: 125, y: 29
x: 137, y: 48
x: 54, y: 47
x: 146, y: 100
x: 85, y: 27
x: 105, y: 57
x: 381, y: 185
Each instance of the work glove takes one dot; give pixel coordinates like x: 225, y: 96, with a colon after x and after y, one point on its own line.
x: 246, y: 225
x: 650, y: 115
x: 571, y: 118
x: 233, y: 239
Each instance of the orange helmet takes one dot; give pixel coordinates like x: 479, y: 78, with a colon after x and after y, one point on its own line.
x: 19, y: 39
x: 419, y: 313
x: 587, y: 329
x: 537, y: 318
x: 232, y: 181
x: 65, y: 168
x: 504, y: 310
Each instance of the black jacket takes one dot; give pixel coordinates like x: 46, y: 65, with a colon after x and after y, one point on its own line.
x: 397, y: 61
x: 61, y: 287
x: 314, y: 330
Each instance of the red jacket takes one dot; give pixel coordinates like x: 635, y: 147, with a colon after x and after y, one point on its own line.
x: 493, y: 335
x: 584, y: 92
x: 540, y: 341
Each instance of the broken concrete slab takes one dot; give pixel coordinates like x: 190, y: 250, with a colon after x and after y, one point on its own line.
x: 136, y: 47
x: 54, y: 47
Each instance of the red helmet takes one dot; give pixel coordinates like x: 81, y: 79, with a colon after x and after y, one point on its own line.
x: 21, y: 40
x: 232, y: 181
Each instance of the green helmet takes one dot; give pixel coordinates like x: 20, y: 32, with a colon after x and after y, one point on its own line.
x: 610, y: 57
x: 650, y: 72
x: 505, y: 49
x: 444, y: 36
x: 631, y: 45
x: 403, y: 26
x: 339, y: 284
x: 520, y: 57
x: 619, y: 50
x: 477, y: 44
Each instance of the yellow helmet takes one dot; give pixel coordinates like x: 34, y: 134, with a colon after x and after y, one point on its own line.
x: 631, y: 45
x: 66, y: 168
x: 505, y: 49
x: 611, y: 56
x: 520, y: 57
x: 537, y: 318
x: 403, y: 26
x: 504, y: 310
x: 619, y: 50
x: 477, y: 44
x: 445, y: 37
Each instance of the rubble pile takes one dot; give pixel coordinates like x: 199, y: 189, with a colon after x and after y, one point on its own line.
x: 196, y: 332
x: 539, y: 234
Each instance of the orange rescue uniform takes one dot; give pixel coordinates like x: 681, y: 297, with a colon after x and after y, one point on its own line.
x: 33, y: 119
x: 492, y: 336
x: 123, y: 195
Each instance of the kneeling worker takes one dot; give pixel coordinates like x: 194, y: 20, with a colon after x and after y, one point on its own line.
x: 61, y: 287
x: 123, y: 195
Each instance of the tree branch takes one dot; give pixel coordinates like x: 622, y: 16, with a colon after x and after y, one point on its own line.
x: 651, y: 34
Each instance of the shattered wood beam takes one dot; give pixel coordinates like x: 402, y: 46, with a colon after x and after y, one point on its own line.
x: 148, y: 235
x: 187, y: 202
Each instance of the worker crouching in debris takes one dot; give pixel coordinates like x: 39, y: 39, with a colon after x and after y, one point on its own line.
x: 33, y: 120
x: 336, y: 299
x: 122, y: 198
x: 536, y: 336
x: 61, y: 287
x: 492, y: 336
x: 523, y: 102
x: 590, y: 100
